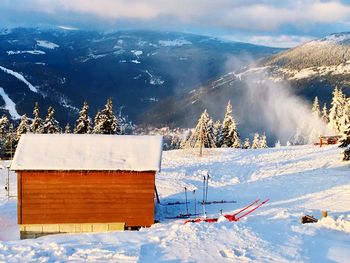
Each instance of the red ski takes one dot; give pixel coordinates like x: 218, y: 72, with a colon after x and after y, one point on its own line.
x: 232, y: 217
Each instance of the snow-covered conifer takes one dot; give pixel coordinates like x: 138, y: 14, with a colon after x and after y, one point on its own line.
x: 10, y: 142
x: 230, y: 135
x: 211, y: 140
x: 105, y: 120
x: 4, y: 123
x: 278, y: 144
x: 345, y: 140
x: 325, y: 117
x: 337, y: 110
x: 345, y: 126
x: 256, y: 142
x: 22, y: 127
x: 246, y: 144
x: 37, y: 122
x: 185, y: 143
x: 316, y: 108
x: 175, y: 142
x: 203, y: 135
x: 218, y: 133
x: 50, y: 124
x: 83, y: 123
x: 263, y: 142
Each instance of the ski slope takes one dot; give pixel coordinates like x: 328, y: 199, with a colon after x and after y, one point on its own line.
x: 20, y: 77
x: 298, y: 180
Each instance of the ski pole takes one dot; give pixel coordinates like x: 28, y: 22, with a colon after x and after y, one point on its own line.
x: 204, y: 213
x: 186, y: 200
x: 203, y: 189
x: 206, y: 192
x: 195, y: 208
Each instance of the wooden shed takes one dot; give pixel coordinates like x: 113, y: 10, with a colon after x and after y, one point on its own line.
x: 85, y: 183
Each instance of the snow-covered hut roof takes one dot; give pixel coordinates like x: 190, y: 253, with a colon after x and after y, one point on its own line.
x: 88, y: 152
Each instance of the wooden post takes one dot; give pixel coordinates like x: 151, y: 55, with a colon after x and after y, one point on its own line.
x: 157, y: 196
x: 320, y: 141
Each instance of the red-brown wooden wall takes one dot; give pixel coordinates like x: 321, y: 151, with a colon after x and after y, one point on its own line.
x: 48, y: 197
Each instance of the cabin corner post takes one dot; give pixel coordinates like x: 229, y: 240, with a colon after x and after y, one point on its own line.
x: 19, y: 197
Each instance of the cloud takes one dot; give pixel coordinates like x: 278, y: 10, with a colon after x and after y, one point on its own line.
x: 232, y: 14
x: 283, y: 41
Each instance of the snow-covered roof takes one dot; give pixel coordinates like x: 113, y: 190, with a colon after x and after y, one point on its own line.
x: 88, y: 152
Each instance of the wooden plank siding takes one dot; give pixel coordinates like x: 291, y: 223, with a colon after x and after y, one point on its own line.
x: 51, y: 197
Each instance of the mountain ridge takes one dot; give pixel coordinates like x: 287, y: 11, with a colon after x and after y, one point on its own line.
x: 136, y: 68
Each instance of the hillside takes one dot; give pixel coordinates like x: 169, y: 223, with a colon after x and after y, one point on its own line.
x: 136, y: 68
x: 298, y: 74
x: 298, y: 180
x: 328, y: 51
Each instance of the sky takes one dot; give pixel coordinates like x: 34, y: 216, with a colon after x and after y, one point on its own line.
x: 276, y: 23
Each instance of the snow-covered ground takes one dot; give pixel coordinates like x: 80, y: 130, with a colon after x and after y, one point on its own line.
x: 174, y: 43
x: 298, y: 180
x: 32, y: 52
x: 46, y: 44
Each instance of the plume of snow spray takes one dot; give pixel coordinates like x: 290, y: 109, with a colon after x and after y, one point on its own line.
x: 277, y: 110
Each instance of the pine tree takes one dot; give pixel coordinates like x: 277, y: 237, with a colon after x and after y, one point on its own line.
x: 185, y: 143
x: 345, y: 140
x: 316, y: 108
x: 337, y: 110
x: 4, y: 124
x: 37, y: 122
x: 345, y: 126
x: 67, y: 129
x: 203, y: 135
x: 210, y: 142
x: 83, y: 123
x: 278, y: 144
x: 175, y: 142
x: 50, y: 124
x: 256, y: 142
x: 22, y: 127
x: 263, y: 142
x: 230, y: 135
x: 105, y: 120
x: 10, y: 142
x: 246, y: 144
x: 325, y: 117
x: 218, y: 133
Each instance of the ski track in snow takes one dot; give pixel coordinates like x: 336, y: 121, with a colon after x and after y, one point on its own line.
x: 299, y: 180
x: 20, y: 78
x: 9, y: 105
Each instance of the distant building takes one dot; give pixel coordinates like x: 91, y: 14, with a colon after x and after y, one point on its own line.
x: 85, y: 183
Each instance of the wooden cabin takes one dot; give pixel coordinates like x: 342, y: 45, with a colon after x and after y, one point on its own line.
x: 85, y: 183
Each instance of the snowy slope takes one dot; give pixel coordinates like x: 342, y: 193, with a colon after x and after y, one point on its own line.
x: 137, y: 69
x: 322, y: 60
x: 9, y: 105
x: 299, y: 180
x: 20, y: 77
